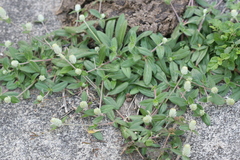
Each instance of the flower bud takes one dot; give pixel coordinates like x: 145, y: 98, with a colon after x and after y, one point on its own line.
x: 97, y: 49
x: 8, y: 43
x: 3, y: 14
x: 14, y: 63
x: 77, y: 7
x: 192, y: 125
x: 40, y: 18
x: 97, y: 111
x: 172, y: 113
x: 72, y: 59
x: 82, y: 17
x: 204, y: 12
x: 186, y: 150
x: 39, y: 98
x: 147, y: 119
x: 193, y: 107
x: 184, y: 70
x: 214, y: 90
x: 28, y: 26
x: 201, y: 112
x: 4, y: 71
x: 103, y: 15
x: 234, y: 13
x: 57, y: 49
x: 230, y: 101
x: 42, y: 77
x: 55, y: 121
x: 164, y: 40
x: 83, y: 104
x: 78, y: 71
x: 187, y: 86
x: 7, y: 99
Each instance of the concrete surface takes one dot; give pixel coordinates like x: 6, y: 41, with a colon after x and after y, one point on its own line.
x: 24, y: 127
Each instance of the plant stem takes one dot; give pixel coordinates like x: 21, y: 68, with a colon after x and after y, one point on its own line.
x: 26, y: 89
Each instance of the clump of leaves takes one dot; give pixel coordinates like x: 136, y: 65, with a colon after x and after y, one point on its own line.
x: 117, y: 61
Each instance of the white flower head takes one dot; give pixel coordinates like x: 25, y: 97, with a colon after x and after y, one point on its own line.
x: 78, y: 71
x: 147, y: 119
x: 187, y: 86
x: 77, y: 7
x: 186, y: 150
x: 5, y: 72
x: 97, y: 49
x: 184, y: 70
x: 8, y: 43
x: 84, y: 104
x: 3, y: 14
x: 97, y: 111
x: 82, y: 17
x: 230, y: 101
x: 39, y: 98
x: 205, y: 12
x: 214, y: 90
x: 7, y: 99
x: 72, y: 59
x: 164, y: 40
x: 15, y: 63
x: 42, y: 77
x: 55, y: 121
x: 192, y: 125
x: 28, y: 26
x: 57, y: 49
x: 201, y: 112
x: 103, y: 15
x: 193, y: 107
x: 234, y: 13
x: 172, y: 113
x: 40, y: 18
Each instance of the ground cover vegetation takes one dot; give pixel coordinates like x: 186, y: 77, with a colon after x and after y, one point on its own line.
x: 200, y: 60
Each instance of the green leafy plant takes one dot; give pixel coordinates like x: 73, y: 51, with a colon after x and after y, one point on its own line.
x: 172, y: 72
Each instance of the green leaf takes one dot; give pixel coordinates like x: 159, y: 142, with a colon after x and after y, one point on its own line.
x: 110, y: 28
x: 144, y: 34
x: 160, y: 52
x: 98, y: 135
x: 202, y: 55
x: 6, y: 62
x: 126, y: 71
x: 60, y: 86
x: 104, y: 38
x: 41, y: 86
x: 120, y: 30
x: 147, y: 74
x: 95, y: 13
x: 216, y: 99
x: 97, y: 119
x: 74, y: 86
x: 178, y: 101
x: 27, y: 69
x: 111, y: 115
x: 173, y: 71
x: 34, y: 66
x: 120, y: 100
x: 206, y: 119
x: 181, y: 53
x: 144, y: 51
x: 107, y: 108
x: 119, y: 88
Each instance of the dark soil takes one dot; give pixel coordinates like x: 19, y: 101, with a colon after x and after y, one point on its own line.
x: 153, y: 15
